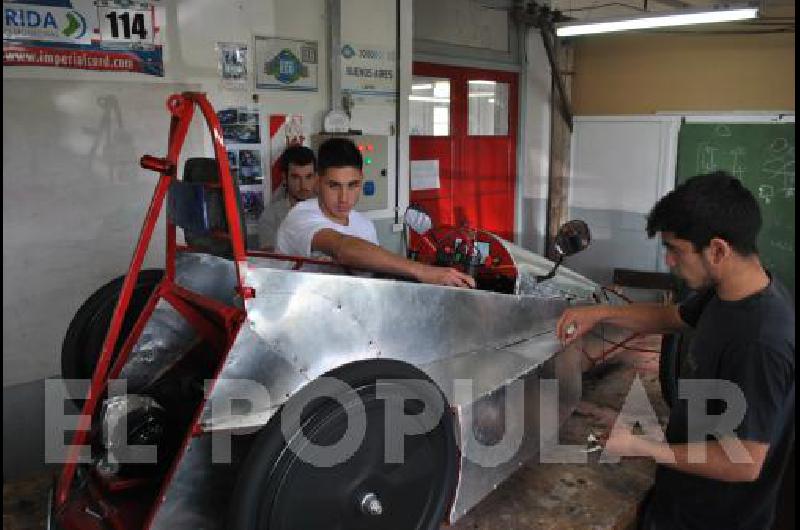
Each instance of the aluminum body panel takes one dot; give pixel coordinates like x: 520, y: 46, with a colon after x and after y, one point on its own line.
x: 301, y: 325
x: 308, y: 324
x: 566, y: 283
x: 167, y: 336
x: 198, y: 493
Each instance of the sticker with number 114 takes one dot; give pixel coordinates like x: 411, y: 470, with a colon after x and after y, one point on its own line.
x: 125, y: 25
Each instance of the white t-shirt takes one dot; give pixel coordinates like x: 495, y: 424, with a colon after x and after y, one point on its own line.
x: 306, y: 219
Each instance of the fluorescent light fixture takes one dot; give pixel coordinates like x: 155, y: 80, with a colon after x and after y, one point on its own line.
x: 656, y: 21
x: 422, y: 87
x: 477, y: 82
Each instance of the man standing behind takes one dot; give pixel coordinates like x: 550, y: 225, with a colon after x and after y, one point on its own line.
x: 299, y: 173
x: 744, y: 334
x: 329, y: 227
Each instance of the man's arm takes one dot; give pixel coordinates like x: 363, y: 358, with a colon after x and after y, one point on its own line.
x: 717, y: 464
x: 355, y: 252
x: 642, y: 318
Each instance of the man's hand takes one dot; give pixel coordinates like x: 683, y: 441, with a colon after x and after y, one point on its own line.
x: 444, y: 276
x: 351, y: 251
x: 623, y: 443
x: 576, y: 322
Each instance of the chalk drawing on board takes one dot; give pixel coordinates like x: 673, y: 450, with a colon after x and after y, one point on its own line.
x: 779, y: 145
x: 766, y: 193
x: 785, y: 246
x: 780, y: 166
x: 706, y: 162
x: 738, y: 168
x: 723, y: 130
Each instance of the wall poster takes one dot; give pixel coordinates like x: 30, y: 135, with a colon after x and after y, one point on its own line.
x: 369, y: 72
x: 241, y: 133
x: 285, y: 63
x: 104, y: 35
x: 232, y: 57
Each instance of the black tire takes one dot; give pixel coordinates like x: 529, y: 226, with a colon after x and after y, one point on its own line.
x: 277, y: 490
x: 83, y: 341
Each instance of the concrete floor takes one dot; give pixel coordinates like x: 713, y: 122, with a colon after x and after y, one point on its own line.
x: 539, y: 496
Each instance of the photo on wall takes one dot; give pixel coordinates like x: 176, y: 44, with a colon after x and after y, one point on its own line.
x: 233, y: 160
x: 252, y: 202
x: 240, y: 125
x: 250, y: 166
x: 232, y: 58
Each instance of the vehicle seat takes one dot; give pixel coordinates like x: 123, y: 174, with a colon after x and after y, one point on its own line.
x: 195, y: 205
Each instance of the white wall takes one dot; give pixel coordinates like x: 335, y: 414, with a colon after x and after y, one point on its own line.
x: 534, y: 176
x: 620, y: 167
x: 374, y: 115
x: 74, y: 196
x: 461, y: 22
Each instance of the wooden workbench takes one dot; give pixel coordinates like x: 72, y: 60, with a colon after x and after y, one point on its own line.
x: 538, y: 496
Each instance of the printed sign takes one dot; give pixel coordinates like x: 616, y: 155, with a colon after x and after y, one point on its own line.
x: 369, y: 70
x: 425, y: 175
x: 106, y: 35
x: 284, y: 63
x: 232, y: 64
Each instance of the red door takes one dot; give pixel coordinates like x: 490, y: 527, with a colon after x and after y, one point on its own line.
x: 465, y: 120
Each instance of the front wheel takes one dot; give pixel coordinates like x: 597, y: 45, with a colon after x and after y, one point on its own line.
x: 279, y: 489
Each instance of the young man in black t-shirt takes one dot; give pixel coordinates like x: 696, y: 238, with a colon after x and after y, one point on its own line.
x: 744, y: 335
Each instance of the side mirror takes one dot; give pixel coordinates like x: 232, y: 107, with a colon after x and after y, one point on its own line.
x: 572, y: 237
x: 417, y: 220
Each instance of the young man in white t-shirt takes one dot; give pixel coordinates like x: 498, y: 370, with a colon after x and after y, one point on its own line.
x: 329, y: 227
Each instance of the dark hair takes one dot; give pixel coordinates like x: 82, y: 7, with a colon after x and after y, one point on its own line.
x: 709, y: 206
x: 299, y: 155
x: 339, y: 152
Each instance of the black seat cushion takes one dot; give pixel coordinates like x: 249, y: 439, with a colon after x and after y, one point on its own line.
x: 203, y: 171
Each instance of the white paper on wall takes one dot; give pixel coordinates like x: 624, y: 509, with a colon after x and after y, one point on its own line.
x: 424, y: 174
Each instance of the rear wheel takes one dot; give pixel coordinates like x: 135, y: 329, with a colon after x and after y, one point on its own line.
x: 83, y: 342
x: 278, y: 489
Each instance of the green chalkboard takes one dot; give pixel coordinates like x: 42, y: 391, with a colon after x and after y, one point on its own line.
x: 762, y: 157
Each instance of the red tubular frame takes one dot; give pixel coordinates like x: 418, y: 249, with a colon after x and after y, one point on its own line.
x: 181, y: 107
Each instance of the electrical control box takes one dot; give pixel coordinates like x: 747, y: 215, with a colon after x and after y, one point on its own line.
x: 375, y: 152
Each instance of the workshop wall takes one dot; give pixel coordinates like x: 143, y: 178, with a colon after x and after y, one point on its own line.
x: 468, y: 24
x: 619, y: 83
x: 621, y: 165
x: 61, y: 141
x: 533, y: 187
x: 74, y: 195
x: 643, y: 74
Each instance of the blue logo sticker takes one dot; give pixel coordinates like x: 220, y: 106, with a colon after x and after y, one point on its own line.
x: 286, y: 67
x: 348, y: 51
x: 369, y: 188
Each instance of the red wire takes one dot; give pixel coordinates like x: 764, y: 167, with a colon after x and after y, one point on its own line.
x: 615, y: 345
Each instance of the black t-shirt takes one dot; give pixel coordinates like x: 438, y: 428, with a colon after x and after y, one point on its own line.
x: 749, y: 342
